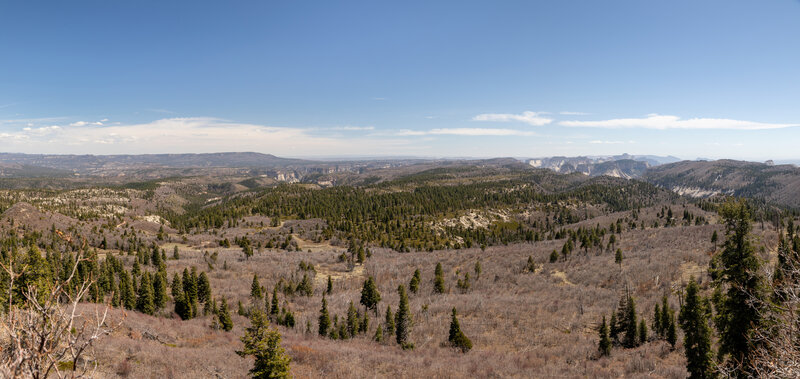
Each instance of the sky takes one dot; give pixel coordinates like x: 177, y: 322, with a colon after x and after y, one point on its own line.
x: 310, y: 79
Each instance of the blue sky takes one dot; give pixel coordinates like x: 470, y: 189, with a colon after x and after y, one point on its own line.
x: 690, y: 78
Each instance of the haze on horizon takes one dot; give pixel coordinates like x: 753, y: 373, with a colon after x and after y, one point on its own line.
x: 713, y: 79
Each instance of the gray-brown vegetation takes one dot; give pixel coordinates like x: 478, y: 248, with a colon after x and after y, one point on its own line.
x: 533, y: 299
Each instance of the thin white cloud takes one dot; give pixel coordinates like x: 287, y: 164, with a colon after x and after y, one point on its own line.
x: 354, y: 128
x: 530, y: 118
x: 466, y: 132
x: 663, y: 122
x: 32, y: 120
x: 192, y: 135
x: 87, y: 123
x: 574, y: 113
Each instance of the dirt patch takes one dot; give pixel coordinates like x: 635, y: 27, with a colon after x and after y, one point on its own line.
x: 314, y: 247
x: 690, y: 269
x: 563, y: 277
x: 323, y: 272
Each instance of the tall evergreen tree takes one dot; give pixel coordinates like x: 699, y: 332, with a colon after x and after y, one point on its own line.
x: 128, y: 293
x: 203, y: 288
x: 642, y: 331
x: 274, y: 308
x: 224, y: 316
x: 604, y: 346
x: 264, y: 344
x: 160, y: 289
x: 657, y: 321
x: 630, y: 337
x: 329, y: 290
x: 378, y: 337
x: 403, y: 320
x: 735, y: 271
x: 714, y: 239
x: 255, y: 288
x: 672, y: 334
x: 456, y: 338
x: 438, y: 280
x: 388, y: 323
x: 694, y: 320
x: 144, y: 300
x: 413, y: 284
x: 370, y: 297
x: 352, y: 320
x: 666, y: 316
x: 324, y: 318
x: 305, y: 287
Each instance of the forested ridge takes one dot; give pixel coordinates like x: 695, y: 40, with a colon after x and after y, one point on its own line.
x: 404, y: 212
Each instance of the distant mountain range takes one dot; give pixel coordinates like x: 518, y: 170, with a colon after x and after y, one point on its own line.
x: 620, y: 166
x: 83, y: 162
x: 779, y: 184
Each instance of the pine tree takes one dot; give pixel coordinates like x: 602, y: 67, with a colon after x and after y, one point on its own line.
x: 364, y: 326
x: 438, y: 281
x: 329, y: 290
x: 553, y: 256
x: 378, y: 337
x: 657, y: 321
x: 630, y: 337
x: 735, y: 271
x: 264, y: 344
x: 478, y: 270
x: 116, y: 297
x: 618, y: 257
x: 155, y: 257
x: 457, y: 339
x: 694, y: 320
x: 224, y: 316
x: 144, y: 300
x: 175, y: 254
x: 672, y: 334
x: 160, y: 289
x: 388, y: 323
x: 370, y: 297
x: 324, y: 318
x: 305, y: 287
x: 352, y: 321
x: 203, y: 288
x: 273, y: 310
x: 604, y: 346
x: 343, y: 330
x: 413, y: 285
x: 714, y: 239
x: 530, y: 266
x: 128, y: 293
x: 666, y: 315
x: 255, y: 288
x: 642, y: 331
x: 402, y: 320
x: 334, y: 330
x: 361, y: 258
x: 182, y: 307
x: 613, y: 327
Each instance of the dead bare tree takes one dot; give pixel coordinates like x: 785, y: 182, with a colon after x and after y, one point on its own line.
x: 47, y: 334
x: 777, y: 340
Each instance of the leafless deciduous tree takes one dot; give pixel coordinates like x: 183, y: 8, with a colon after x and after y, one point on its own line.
x: 49, y: 335
x: 777, y: 340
